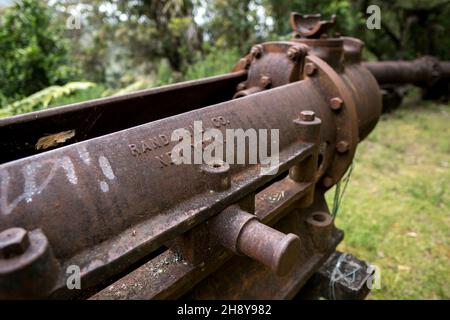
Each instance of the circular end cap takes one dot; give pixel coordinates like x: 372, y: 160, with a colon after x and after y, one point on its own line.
x: 287, y: 255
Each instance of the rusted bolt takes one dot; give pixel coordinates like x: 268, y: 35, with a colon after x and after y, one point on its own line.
x: 328, y: 181
x: 265, y: 82
x: 241, y: 86
x: 218, y: 178
x: 293, y: 53
x: 28, y: 268
x: 256, y: 51
x: 245, y: 62
x: 342, y: 146
x: 307, y: 115
x: 13, y: 242
x: 310, y: 68
x: 336, y: 103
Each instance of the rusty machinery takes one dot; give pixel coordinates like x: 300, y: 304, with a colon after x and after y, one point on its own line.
x: 93, y: 185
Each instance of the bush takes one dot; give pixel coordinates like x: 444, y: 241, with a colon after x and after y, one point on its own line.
x: 33, y: 53
x: 217, y: 61
x: 51, y: 96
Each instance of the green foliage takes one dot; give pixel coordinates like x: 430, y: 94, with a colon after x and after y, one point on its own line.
x: 410, y: 29
x: 91, y: 92
x: 159, y: 30
x: 136, y: 44
x: 217, y: 61
x: 164, y: 73
x: 44, y: 98
x: 135, y: 86
x: 32, y: 52
x: 233, y: 23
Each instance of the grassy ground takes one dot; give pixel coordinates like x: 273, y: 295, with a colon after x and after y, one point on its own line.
x: 396, y: 210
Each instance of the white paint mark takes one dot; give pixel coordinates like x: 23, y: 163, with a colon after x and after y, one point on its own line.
x: 4, y: 206
x: 34, y: 184
x: 106, y: 167
x: 104, y: 186
x: 92, y: 265
x: 84, y: 154
x: 67, y: 165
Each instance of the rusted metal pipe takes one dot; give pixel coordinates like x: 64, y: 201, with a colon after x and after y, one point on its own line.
x: 422, y: 72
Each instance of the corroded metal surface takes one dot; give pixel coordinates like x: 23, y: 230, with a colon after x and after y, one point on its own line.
x: 424, y: 71
x: 94, y: 184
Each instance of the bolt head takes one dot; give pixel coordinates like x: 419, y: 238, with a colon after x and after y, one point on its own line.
x: 328, y: 181
x: 342, y: 146
x: 256, y: 51
x: 265, y: 81
x: 307, y: 115
x: 293, y: 53
x: 336, y: 103
x: 310, y: 68
x: 241, y: 86
x: 13, y: 242
x: 245, y: 62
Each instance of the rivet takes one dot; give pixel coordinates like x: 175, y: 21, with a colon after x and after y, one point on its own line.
x: 328, y: 181
x: 256, y: 51
x: 293, y: 53
x: 241, y: 86
x: 342, y: 146
x: 336, y: 103
x: 265, y: 82
x: 310, y: 68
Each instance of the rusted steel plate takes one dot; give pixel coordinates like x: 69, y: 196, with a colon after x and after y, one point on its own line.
x: 19, y: 135
x: 102, y: 204
x: 170, y: 275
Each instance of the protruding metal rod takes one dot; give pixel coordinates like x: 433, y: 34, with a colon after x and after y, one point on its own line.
x: 242, y: 233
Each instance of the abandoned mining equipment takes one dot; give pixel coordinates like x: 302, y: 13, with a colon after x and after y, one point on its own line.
x: 92, y: 186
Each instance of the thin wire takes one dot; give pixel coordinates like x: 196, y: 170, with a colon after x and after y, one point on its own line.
x: 337, y: 275
x: 334, y: 279
x: 338, y: 195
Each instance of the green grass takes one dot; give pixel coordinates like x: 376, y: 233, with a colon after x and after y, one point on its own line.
x: 396, y: 210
